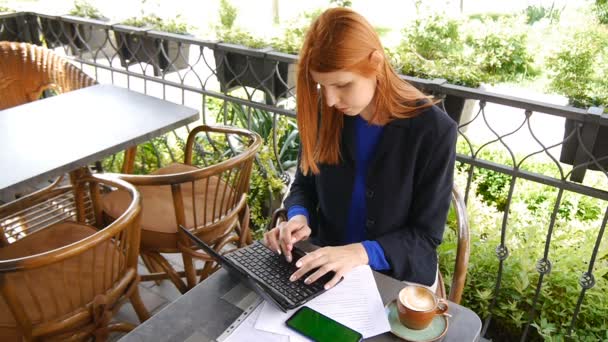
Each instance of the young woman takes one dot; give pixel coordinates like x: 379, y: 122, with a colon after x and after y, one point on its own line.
x: 376, y: 162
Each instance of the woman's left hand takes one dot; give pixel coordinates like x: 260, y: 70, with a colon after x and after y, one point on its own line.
x: 340, y: 259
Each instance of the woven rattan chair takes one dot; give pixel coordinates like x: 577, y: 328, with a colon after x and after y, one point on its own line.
x: 210, y: 201
x: 462, y: 250
x: 63, y: 274
x: 27, y: 70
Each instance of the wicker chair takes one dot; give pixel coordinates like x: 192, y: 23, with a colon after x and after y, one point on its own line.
x: 210, y: 201
x: 62, y: 277
x: 26, y: 71
x: 462, y: 250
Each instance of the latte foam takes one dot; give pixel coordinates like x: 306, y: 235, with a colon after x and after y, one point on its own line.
x: 417, y: 298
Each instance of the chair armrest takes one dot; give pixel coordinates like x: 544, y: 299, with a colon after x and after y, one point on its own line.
x: 278, y: 216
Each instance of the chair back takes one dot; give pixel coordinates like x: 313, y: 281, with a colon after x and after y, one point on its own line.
x: 27, y: 70
x: 206, y: 194
x: 61, y: 275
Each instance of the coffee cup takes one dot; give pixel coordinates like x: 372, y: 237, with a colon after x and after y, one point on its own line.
x: 418, y: 305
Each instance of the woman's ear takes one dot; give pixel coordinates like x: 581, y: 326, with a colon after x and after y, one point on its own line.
x: 376, y: 58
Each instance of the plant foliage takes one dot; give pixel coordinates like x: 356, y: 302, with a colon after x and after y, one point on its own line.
x: 86, y: 10
x: 580, y: 69
x: 574, y: 235
x: 535, y: 13
x: 174, y: 25
x: 227, y: 32
x: 499, y: 49
x: 601, y: 11
x: 465, y: 53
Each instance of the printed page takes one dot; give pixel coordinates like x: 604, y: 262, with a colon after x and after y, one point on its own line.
x: 355, y: 302
x: 246, y: 331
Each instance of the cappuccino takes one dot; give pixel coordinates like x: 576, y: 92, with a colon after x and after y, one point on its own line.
x: 417, y: 306
x: 417, y: 298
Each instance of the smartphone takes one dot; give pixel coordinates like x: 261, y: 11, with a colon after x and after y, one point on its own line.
x: 321, y: 328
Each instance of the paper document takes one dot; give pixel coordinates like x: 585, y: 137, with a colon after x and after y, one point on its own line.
x: 354, y: 302
x: 246, y: 331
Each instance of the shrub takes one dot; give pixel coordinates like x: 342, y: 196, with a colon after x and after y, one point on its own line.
x: 227, y: 32
x: 228, y: 14
x: 341, y: 3
x: 432, y: 48
x: 86, y: 10
x: 573, y: 239
x: 455, y: 71
x: 174, y: 25
x: 292, y: 38
x: 500, y: 50
x: 493, y: 50
x: 601, y: 11
x: 535, y: 13
x: 491, y: 16
x: 434, y: 37
x: 579, y: 69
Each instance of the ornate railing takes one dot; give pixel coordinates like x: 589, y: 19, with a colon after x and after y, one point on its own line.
x: 226, y: 81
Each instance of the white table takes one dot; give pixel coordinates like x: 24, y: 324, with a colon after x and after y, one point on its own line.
x: 44, y: 139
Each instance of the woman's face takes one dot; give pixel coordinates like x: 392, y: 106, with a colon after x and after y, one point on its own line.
x: 348, y: 92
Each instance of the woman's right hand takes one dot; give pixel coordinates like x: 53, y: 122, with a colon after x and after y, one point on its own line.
x: 282, y: 237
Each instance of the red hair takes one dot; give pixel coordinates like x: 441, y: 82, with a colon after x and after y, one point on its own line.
x: 341, y: 39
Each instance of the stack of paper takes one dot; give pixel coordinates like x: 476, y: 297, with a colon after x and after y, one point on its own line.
x: 354, y: 302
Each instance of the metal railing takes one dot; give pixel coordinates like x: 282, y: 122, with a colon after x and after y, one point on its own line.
x: 192, y: 71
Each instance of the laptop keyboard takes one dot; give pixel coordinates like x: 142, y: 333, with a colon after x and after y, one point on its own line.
x: 274, y: 271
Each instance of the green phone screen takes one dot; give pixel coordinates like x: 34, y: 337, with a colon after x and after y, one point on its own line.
x: 321, y: 328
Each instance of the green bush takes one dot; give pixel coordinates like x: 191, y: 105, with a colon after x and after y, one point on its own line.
x: 434, y: 37
x: 240, y: 37
x: 500, y: 49
x: 491, y: 16
x: 341, y: 3
x: 466, y: 53
x: 228, y: 14
x: 227, y: 32
x: 455, y: 71
x: 579, y: 69
x: 573, y: 239
x: 173, y: 25
x: 86, y: 10
x: 432, y: 47
x: 492, y: 188
x: 601, y: 11
x: 291, y: 39
x: 535, y: 13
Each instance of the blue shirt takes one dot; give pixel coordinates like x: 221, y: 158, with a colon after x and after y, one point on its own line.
x: 367, y: 138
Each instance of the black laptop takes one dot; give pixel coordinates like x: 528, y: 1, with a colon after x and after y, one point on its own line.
x: 267, y: 273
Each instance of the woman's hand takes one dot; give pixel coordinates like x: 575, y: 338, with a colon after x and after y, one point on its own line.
x: 286, y: 234
x: 338, y: 259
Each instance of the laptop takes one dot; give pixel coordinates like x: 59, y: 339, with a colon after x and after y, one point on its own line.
x: 267, y: 273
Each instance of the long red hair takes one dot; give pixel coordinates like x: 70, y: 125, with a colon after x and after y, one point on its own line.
x: 341, y: 39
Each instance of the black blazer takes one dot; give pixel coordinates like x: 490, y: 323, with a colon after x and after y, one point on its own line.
x: 408, y: 191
